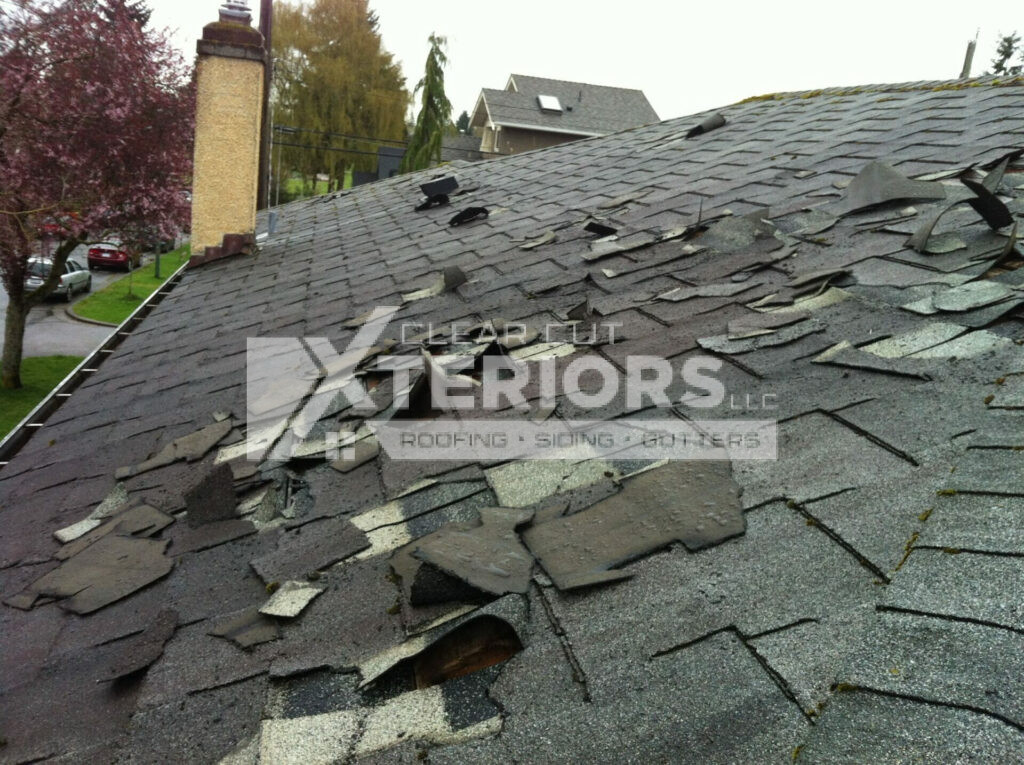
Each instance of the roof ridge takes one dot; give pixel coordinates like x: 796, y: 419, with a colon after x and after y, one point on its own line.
x: 574, y: 82
x: 994, y: 81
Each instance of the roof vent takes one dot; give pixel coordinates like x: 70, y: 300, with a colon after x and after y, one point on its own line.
x: 549, y: 104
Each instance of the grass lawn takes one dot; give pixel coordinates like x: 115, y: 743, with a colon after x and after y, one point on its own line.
x: 114, y: 303
x: 39, y: 375
x: 297, y: 187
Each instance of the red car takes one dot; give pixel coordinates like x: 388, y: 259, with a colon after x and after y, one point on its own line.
x: 112, y: 255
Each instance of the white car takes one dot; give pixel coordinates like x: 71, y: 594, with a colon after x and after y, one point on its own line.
x: 74, y: 279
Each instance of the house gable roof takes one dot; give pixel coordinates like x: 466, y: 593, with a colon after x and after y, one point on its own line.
x: 588, y: 110
x: 839, y: 622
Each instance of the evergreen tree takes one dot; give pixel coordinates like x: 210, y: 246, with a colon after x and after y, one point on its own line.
x: 1008, y: 45
x: 435, y: 112
x: 462, y: 124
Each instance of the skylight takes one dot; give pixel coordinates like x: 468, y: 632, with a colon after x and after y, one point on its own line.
x: 549, y: 103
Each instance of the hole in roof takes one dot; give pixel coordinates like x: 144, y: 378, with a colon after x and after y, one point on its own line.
x: 549, y: 103
x: 476, y: 645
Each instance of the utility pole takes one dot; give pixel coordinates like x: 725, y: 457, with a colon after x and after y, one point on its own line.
x: 267, y: 30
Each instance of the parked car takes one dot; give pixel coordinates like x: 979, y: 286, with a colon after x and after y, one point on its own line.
x: 112, y: 254
x: 74, y: 279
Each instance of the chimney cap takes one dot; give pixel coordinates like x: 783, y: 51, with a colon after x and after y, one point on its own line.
x: 236, y: 11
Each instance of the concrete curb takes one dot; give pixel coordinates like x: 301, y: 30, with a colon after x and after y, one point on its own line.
x: 72, y: 315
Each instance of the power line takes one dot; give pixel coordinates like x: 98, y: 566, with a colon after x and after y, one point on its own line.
x: 325, y: 148
x: 290, y: 130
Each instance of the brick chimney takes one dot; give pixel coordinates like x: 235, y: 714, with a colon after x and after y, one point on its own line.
x: 229, y: 115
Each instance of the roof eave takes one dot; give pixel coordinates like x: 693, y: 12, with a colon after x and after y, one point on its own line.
x: 546, y: 129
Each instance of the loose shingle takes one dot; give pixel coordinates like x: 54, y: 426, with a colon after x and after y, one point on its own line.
x: 247, y: 628
x: 488, y: 555
x: 290, y: 599
x: 878, y: 183
x: 142, y: 650
x: 108, y: 570
x: 696, y: 503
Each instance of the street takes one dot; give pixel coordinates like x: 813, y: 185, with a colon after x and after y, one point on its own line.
x: 50, y: 331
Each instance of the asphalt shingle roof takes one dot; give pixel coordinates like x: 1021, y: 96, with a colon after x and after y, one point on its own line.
x: 587, y: 109
x: 871, y: 607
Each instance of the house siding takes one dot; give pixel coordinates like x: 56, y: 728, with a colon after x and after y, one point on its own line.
x: 517, y: 140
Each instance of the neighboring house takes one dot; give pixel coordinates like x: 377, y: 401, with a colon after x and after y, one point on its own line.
x: 535, y: 112
x: 857, y: 599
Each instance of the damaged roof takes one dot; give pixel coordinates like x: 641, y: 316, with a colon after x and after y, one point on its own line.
x: 849, y: 257
x: 580, y: 108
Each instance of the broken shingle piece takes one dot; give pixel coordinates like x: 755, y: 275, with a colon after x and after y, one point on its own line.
x: 787, y: 334
x: 110, y: 569
x: 762, y: 323
x: 112, y: 503
x: 546, y: 238
x: 212, y: 534
x: 815, y: 280
x: 621, y: 200
x: 487, y: 555
x: 141, y: 521
x: 289, y: 600
x: 76, y: 530
x: 846, y: 355
x: 921, y: 239
x: 212, y: 498
x: 971, y: 295
x: 140, y: 651
x: 310, y: 547
x: 693, y: 502
x: 603, y: 248
x: 878, y: 183
x: 247, y: 628
x: 814, y: 222
x: 967, y: 346
x: 357, y: 454
x: 988, y: 205
x: 726, y: 289
x: 423, y: 585
x: 926, y: 336
x: 735, y: 233
x: 191, y: 447
x: 451, y: 278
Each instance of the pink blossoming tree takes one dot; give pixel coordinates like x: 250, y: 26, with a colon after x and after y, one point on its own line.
x: 95, y: 139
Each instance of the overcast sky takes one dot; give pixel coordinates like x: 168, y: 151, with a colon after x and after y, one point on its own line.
x: 686, y: 56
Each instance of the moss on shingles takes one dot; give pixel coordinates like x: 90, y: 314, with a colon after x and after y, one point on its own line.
x: 907, y: 549
x: 942, y: 86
